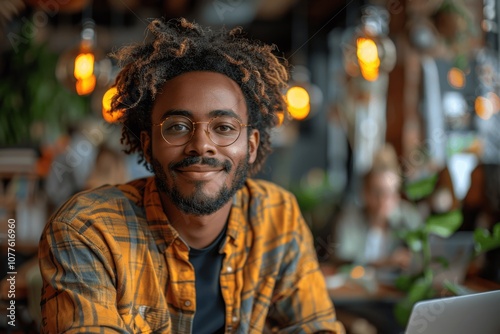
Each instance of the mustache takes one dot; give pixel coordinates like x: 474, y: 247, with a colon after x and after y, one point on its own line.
x: 197, y: 160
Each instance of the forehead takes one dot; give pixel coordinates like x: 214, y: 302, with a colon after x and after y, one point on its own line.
x: 198, y: 94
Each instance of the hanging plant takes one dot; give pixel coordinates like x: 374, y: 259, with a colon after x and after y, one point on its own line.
x: 33, y: 104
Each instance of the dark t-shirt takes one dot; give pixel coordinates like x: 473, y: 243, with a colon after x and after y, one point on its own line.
x: 210, y: 308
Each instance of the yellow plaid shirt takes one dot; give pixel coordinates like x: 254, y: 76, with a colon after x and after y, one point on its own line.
x: 111, y: 263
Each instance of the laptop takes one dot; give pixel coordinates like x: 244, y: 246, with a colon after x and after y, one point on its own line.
x: 457, y: 250
x: 476, y: 313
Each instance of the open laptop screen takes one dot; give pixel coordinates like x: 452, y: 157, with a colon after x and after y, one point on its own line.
x: 474, y: 313
x: 457, y: 251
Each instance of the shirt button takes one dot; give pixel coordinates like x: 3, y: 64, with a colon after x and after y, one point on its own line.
x: 235, y: 318
x: 229, y: 269
x: 187, y: 303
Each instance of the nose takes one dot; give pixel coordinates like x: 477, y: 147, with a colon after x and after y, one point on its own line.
x: 200, y: 143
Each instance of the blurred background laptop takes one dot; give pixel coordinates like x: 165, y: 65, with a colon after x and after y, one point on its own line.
x: 455, y: 254
x: 473, y: 313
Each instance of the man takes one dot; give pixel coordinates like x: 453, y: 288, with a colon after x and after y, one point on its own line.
x: 199, y: 248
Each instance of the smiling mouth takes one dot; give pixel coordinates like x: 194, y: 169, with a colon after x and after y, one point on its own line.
x: 198, y: 173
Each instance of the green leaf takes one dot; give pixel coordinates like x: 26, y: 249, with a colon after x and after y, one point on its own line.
x: 485, y: 241
x: 419, y: 189
x: 445, y: 224
x: 402, y: 312
x: 412, y: 238
x: 420, y: 289
x: 404, y: 282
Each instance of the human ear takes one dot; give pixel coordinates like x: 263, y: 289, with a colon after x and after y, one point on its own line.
x: 253, y: 145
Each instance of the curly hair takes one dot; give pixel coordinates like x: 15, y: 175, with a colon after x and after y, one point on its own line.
x: 179, y: 46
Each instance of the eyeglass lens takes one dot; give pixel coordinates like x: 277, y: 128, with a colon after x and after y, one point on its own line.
x: 222, y: 130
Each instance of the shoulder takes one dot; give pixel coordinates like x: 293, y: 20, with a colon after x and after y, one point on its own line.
x: 258, y: 189
x: 266, y: 197
x: 105, y: 201
x: 271, y: 209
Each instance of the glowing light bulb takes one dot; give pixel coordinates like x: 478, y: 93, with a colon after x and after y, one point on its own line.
x: 367, y: 50
x: 456, y: 77
x: 484, y: 107
x: 368, y: 59
x: 85, y: 86
x: 357, y: 272
x: 84, y: 66
x: 298, y: 102
x: 110, y: 117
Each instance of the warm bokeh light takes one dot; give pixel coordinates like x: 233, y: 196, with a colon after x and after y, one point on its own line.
x: 357, y: 272
x: 456, y: 78
x: 110, y: 117
x: 281, y: 117
x: 84, y: 66
x: 107, y: 97
x: 367, y: 51
x: 368, y: 58
x: 81, y: 69
x: 369, y: 73
x: 298, y: 102
x: 297, y: 97
x: 299, y: 113
x: 85, y: 86
x: 483, y: 107
x: 84, y: 73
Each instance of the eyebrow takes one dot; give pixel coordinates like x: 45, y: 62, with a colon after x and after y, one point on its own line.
x: 175, y: 112
x: 189, y: 114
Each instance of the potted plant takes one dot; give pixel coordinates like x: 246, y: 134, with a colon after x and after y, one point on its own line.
x: 419, y: 286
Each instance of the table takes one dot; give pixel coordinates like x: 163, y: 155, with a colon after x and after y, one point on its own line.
x: 372, y: 304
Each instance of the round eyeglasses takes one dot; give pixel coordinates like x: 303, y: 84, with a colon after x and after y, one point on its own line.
x: 222, y: 130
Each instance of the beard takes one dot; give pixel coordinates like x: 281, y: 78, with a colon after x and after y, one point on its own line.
x: 200, y: 203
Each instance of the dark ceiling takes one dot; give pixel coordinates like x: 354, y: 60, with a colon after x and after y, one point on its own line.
x: 286, y: 23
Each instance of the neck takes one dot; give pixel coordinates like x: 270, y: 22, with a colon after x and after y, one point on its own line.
x: 198, y: 231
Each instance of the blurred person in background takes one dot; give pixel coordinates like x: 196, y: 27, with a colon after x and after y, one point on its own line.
x: 365, y: 232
